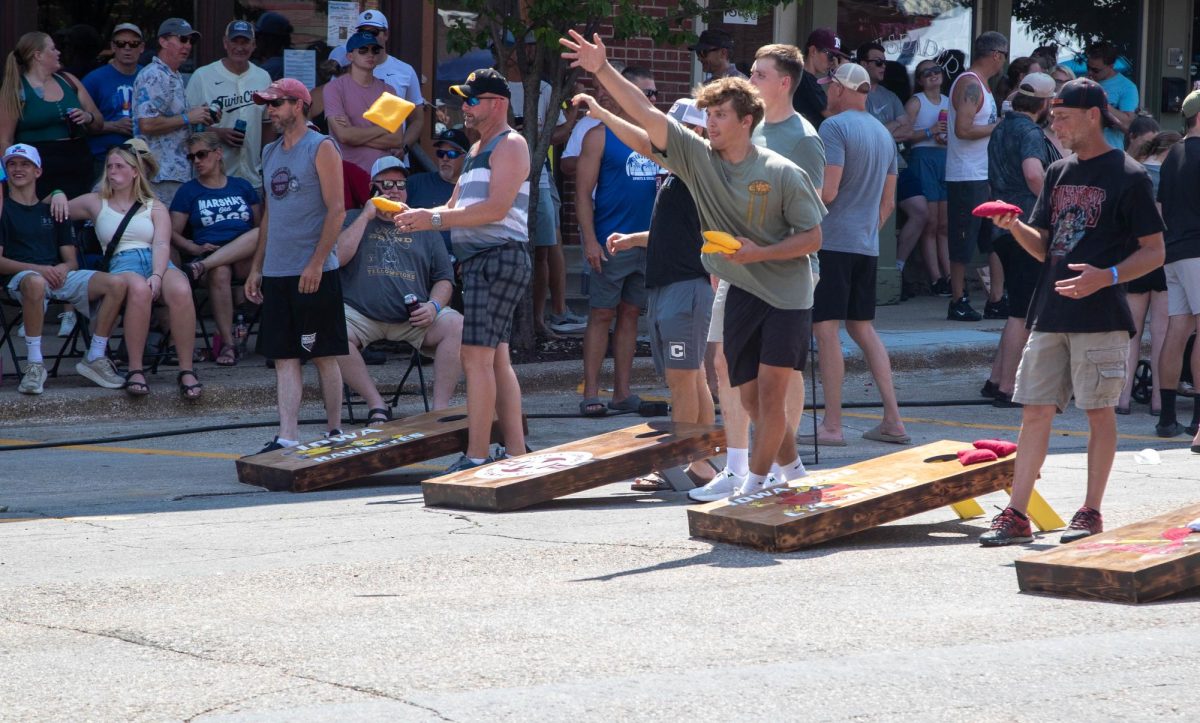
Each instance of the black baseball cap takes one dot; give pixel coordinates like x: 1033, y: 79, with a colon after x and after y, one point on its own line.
x: 713, y: 38
x: 826, y: 41
x: 484, y: 80
x: 453, y: 136
x: 1084, y: 93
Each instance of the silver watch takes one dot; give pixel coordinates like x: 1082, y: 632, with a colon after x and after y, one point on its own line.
x: 435, y: 220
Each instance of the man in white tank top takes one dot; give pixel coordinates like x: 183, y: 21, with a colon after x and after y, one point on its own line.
x: 972, y: 118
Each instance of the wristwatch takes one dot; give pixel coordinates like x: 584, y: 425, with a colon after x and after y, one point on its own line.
x: 436, y: 220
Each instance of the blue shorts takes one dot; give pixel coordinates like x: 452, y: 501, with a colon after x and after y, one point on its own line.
x: 139, y: 261
x: 928, y: 167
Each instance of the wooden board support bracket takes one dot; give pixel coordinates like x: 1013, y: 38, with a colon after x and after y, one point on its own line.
x: 1040, y: 511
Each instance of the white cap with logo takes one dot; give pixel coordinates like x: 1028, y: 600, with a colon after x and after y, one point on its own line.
x: 23, y: 150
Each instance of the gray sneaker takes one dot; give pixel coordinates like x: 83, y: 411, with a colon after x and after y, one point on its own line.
x: 34, y: 380
x: 101, y: 371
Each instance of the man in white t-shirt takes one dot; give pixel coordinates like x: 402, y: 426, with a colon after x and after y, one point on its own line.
x: 232, y: 81
x: 393, y: 71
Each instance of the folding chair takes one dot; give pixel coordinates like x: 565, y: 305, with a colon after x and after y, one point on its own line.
x: 414, y: 362
x: 7, y: 336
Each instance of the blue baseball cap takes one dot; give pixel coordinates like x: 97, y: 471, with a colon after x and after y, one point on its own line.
x: 361, y: 40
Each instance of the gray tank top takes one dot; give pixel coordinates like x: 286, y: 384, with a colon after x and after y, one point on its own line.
x: 296, y: 208
x: 474, y: 185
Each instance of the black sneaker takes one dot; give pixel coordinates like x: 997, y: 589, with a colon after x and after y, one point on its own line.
x: 961, y: 311
x: 1085, y: 523
x: 271, y: 446
x: 941, y: 287
x: 996, y: 309
x: 1004, y: 401
x: 464, y: 463
x: 1166, y: 431
x: 1008, y: 528
x: 990, y: 390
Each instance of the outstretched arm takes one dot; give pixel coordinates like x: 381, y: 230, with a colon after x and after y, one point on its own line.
x: 592, y: 58
x: 629, y: 134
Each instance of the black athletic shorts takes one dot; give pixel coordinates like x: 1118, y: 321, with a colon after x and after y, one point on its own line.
x: 758, y: 333
x: 1021, y: 273
x: 302, y: 326
x: 846, y: 291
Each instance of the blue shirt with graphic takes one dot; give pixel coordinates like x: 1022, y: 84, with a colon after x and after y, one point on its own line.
x: 217, y: 215
x: 112, y: 91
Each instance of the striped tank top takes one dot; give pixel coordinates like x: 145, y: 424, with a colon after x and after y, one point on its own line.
x: 474, y: 184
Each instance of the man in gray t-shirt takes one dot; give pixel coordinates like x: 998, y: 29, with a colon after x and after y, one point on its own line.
x: 381, y: 265
x: 860, y: 192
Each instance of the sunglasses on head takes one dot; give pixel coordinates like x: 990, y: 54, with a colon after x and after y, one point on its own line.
x: 122, y: 44
x: 372, y: 49
x: 278, y: 102
x: 399, y: 185
x: 651, y: 92
x: 197, y: 156
x: 127, y: 146
x: 448, y: 153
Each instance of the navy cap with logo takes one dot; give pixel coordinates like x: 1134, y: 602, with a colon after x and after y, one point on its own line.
x: 1085, y: 93
x: 711, y: 39
x: 484, y: 80
x: 239, y: 29
x: 176, y: 26
x: 453, y: 136
x: 361, y: 40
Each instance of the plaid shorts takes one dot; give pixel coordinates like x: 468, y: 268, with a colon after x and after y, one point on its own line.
x: 494, y: 282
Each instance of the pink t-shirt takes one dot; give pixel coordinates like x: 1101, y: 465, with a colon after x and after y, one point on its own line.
x: 345, y: 97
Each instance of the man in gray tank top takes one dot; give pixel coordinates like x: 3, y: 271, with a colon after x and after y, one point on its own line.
x: 487, y: 216
x: 294, y: 272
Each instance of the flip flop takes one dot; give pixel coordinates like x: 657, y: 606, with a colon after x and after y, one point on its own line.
x: 650, y: 483
x: 592, y: 407
x: 808, y: 439
x: 878, y: 435
x: 629, y: 404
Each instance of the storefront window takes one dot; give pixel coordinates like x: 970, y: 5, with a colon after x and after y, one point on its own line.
x: 1066, y: 29
x: 909, y: 31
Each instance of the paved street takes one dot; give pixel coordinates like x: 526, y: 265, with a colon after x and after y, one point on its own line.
x: 141, y: 581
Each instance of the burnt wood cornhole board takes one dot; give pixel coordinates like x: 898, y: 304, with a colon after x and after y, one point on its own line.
x: 1137, y: 563
x: 622, y: 454
x: 359, y: 453
x: 833, y: 503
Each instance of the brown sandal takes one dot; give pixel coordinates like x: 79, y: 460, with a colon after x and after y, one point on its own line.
x: 136, y: 389
x: 189, y: 391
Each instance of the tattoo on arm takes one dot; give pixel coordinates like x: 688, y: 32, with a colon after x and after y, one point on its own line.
x: 973, y: 94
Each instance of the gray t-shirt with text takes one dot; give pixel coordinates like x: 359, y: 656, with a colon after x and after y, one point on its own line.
x: 388, y: 265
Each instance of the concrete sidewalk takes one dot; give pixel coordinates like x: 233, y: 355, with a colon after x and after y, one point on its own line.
x: 916, y: 333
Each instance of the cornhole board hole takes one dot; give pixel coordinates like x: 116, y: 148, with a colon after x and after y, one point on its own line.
x: 359, y: 453
x: 1137, y: 563
x: 518, y: 482
x: 834, y: 503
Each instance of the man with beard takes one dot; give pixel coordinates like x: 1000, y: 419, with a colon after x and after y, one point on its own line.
x: 294, y: 273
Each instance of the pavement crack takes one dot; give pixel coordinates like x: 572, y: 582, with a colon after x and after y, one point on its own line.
x: 144, y: 642
x: 244, y: 699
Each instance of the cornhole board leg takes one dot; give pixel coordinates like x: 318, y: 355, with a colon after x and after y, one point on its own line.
x: 512, y: 484
x: 1040, y: 511
x: 967, y: 509
x: 1142, y: 562
x: 678, y: 479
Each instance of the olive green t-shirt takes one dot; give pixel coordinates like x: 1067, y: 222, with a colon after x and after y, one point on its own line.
x: 765, y: 198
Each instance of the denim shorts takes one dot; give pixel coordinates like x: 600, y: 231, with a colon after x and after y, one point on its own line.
x: 139, y: 261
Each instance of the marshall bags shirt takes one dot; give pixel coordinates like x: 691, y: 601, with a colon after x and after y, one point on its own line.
x: 1095, y: 211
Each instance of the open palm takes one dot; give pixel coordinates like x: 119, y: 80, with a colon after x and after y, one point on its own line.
x: 591, y: 57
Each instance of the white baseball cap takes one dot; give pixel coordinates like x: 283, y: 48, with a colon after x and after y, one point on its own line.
x: 688, y: 113
x: 372, y: 19
x: 23, y: 150
x: 387, y: 163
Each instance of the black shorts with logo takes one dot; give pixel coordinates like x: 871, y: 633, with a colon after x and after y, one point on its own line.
x: 758, y: 333
x: 302, y: 326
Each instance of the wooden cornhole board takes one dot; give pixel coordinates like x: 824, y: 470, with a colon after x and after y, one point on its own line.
x: 842, y: 501
x: 1137, y: 563
x: 574, y: 467
x: 359, y: 453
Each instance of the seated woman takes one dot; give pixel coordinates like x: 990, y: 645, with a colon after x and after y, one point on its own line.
x: 224, y: 213
x: 142, y: 258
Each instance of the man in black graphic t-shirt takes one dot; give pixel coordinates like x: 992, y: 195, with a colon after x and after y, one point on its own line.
x: 1095, y: 225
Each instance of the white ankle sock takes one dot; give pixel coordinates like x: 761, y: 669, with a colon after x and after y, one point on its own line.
x: 756, y: 481
x: 98, y: 348
x: 794, y: 471
x: 738, y: 461
x: 479, y: 460
x: 286, y: 442
x: 33, y: 346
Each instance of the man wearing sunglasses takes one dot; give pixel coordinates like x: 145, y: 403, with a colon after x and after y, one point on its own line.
x: 161, y: 114
x: 111, y: 86
x: 881, y: 102
x: 714, y: 49
x: 349, y: 95
x: 1121, y: 91
x: 393, y: 71
x: 822, y: 54
x: 434, y: 188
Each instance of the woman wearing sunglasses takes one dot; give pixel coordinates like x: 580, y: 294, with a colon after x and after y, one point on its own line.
x: 922, y: 186
x: 224, y: 213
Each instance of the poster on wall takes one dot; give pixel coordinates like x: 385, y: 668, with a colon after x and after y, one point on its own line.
x: 342, y: 18
x: 301, y: 65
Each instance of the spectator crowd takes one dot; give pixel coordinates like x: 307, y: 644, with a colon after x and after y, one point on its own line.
x: 132, y: 188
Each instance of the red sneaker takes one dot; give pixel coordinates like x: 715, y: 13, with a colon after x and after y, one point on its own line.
x: 1008, y: 528
x: 1085, y: 523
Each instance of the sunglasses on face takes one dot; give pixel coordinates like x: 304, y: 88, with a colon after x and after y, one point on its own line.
x: 372, y: 49
x: 389, y: 185
x: 651, y: 92
x: 448, y: 153
x: 930, y: 71
x: 197, y: 156
x: 369, y: 30
x: 185, y: 39
x: 122, y: 44
x: 877, y: 62
x: 278, y: 102
x: 475, y: 99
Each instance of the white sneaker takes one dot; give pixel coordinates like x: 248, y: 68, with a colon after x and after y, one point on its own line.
x: 66, y: 323
x: 101, y: 371
x: 718, y: 488
x: 21, y: 330
x: 748, y: 488
x: 34, y: 380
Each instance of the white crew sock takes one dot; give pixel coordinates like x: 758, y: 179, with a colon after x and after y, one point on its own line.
x: 738, y: 461
x: 756, y: 481
x: 776, y: 470
x: 33, y: 345
x: 286, y: 442
x: 794, y: 471
x: 479, y: 460
x: 98, y: 348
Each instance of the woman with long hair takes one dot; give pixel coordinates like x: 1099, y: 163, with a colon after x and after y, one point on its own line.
x: 142, y: 258
x: 51, y: 111
x: 224, y: 213
x: 922, y: 186
x: 1007, y: 87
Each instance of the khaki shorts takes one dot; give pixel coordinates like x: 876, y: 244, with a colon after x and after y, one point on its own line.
x: 716, y: 323
x: 368, y: 330
x: 1183, y: 287
x: 1055, y: 365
